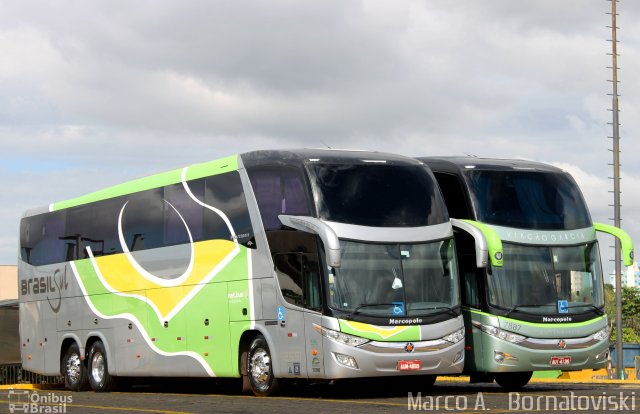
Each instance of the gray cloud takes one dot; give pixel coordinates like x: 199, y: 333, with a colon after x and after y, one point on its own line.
x: 112, y: 90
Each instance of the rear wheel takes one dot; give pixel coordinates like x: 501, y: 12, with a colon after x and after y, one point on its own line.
x: 513, y: 381
x: 74, y: 370
x: 259, y: 368
x: 98, y: 369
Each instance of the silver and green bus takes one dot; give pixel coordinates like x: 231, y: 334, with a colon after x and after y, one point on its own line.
x: 265, y: 266
x: 534, y: 300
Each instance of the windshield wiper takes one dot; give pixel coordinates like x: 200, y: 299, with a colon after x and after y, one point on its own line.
x: 366, y: 305
x: 439, y: 309
x: 524, y: 306
x: 590, y: 305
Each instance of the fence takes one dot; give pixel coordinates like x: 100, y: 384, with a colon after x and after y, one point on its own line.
x: 14, y: 374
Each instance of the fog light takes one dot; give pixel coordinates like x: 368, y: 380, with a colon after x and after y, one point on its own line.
x: 345, y: 360
x: 500, y: 357
x: 603, y: 356
x: 458, y: 357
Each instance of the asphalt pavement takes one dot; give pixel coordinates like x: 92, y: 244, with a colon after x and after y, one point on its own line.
x: 353, y: 397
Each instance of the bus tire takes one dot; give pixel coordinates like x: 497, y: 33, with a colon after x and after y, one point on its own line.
x: 98, y: 369
x: 74, y: 370
x: 513, y: 381
x: 260, y: 369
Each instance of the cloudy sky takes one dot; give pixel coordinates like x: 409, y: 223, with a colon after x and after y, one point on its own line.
x: 93, y: 93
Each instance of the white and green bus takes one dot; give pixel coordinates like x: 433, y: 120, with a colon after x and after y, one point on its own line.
x: 534, y: 300
x: 265, y: 266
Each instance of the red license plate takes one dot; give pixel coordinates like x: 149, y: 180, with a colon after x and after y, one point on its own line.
x: 560, y: 361
x: 410, y: 365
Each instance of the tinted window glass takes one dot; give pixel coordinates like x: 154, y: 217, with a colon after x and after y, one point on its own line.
x: 143, y: 219
x: 95, y: 226
x: 279, y: 191
x: 378, y: 195
x: 225, y: 192
x: 536, y: 279
x: 150, y: 219
x: 41, y: 238
x: 179, y: 209
x: 295, y: 256
x: 528, y: 200
x: 453, y: 195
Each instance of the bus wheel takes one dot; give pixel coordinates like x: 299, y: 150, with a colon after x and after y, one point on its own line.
x: 74, y: 370
x: 513, y: 381
x: 259, y: 368
x: 98, y: 369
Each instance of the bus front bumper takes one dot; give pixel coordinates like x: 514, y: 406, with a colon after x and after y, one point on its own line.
x: 375, y: 359
x: 540, y: 354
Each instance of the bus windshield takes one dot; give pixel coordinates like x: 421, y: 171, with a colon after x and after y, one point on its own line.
x: 528, y: 199
x: 377, y: 195
x: 395, y: 279
x: 548, y: 280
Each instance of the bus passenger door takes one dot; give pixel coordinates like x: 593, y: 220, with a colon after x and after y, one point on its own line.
x: 313, y: 315
x: 300, y: 286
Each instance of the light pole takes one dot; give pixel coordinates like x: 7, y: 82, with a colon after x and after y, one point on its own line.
x: 616, y: 190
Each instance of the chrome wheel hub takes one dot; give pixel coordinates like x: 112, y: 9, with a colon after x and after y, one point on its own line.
x: 260, y: 366
x: 97, y: 367
x: 73, y: 368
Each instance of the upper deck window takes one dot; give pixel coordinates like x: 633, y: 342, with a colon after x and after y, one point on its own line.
x: 378, y: 195
x: 528, y: 199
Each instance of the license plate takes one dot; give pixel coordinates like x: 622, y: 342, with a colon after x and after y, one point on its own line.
x: 410, y: 365
x: 560, y: 361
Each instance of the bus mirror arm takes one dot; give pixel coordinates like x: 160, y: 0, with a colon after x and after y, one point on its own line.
x: 625, y: 240
x: 487, y: 242
x: 316, y: 226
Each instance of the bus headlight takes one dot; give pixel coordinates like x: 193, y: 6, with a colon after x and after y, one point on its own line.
x: 499, y: 333
x: 345, y: 360
x: 602, y: 334
x: 455, y: 337
x: 340, y: 337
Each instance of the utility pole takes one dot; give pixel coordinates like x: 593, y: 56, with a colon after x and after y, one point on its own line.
x: 616, y: 189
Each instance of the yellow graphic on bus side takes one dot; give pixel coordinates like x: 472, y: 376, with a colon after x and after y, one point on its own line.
x: 119, y: 276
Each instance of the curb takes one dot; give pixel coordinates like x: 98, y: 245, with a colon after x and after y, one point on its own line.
x: 549, y: 380
x: 32, y: 387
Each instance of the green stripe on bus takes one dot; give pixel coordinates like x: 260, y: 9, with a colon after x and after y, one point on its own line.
x: 494, y: 243
x: 541, y: 325
x: 625, y: 240
x: 206, y: 169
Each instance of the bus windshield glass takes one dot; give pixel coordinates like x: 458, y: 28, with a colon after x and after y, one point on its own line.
x: 377, y: 195
x: 395, y: 280
x: 548, y: 280
x: 528, y: 199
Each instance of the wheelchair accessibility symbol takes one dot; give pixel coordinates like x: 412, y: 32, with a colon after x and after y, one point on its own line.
x: 398, y: 308
x: 281, y: 313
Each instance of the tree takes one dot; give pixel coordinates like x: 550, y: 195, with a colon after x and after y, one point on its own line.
x: 628, y: 336
x: 630, y: 312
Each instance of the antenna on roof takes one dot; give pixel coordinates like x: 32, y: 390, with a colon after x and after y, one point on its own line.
x: 325, y: 144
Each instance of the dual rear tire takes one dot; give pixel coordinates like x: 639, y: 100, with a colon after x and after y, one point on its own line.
x: 80, y: 375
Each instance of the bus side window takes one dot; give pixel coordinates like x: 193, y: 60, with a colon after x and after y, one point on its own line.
x: 279, y: 191
x: 40, y: 238
x: 453, y: 195
x: 471, y: 294
x: 299, y: 279
x: 465, y: 247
